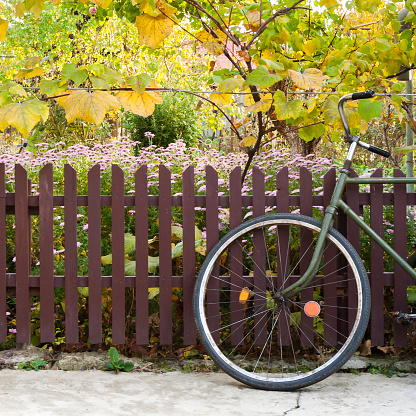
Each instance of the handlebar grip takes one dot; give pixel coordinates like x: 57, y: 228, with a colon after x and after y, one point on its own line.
x: 364, y: 94
x: 379, y: 151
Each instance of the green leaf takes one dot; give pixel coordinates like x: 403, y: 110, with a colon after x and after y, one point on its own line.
x: 106, y: 260
x: 177, y: 250
x: 311, y: 132
x: 261, y: 78
x: 177, y: 231
x: 139, y: 82
x: 78, y: 75
x: 128, y: 366
x: 110, y: 366
x: 399, y: 86
x: 129, y: 243
x: 383, y: 45
x: 286, y: 109
x: 370, y: 109
x: 13, y: 88
x: 113, y: 353
x: 153, y: 292
x: 405, y: 149
x: 50, y: 87
x: 277, y: 66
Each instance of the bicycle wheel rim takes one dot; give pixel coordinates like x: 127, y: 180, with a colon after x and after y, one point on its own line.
x: 288, y: 381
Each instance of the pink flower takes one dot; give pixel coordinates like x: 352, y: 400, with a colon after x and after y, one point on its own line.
x: 390, y: 231
x: 12, y: 330
x: 93, y: 10
x: 85, y: 227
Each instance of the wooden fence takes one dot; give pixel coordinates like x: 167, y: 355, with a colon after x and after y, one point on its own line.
x: 24, y: 285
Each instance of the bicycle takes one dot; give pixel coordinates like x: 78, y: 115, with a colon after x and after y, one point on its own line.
x: 256, y: 306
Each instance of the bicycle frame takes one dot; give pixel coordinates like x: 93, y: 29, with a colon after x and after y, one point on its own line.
x: 330, y: 212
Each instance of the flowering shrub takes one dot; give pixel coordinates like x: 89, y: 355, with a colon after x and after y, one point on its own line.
x: 176, y: 157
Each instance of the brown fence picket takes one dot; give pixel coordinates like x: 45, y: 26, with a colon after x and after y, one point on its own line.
x: 259, y: 260
x: 165, y: 256
x: 212, y: 237
x: 305, y: 185
x: 71, y: 255
x: 377, y: 263
x: 3, y: 284
x: 118, y: 296
x: 23, y: 305
x: 188, y: 215
x: 94, y: 256
x: 283, y: 243
x: 236, y: 259
x: 142, y: 272
x: 46, y: 254
x: 400, y: 276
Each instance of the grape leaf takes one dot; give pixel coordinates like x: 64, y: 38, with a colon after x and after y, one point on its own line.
x: 3, y: 29
x: 139, y: 82
x: 230, y: 84
x: 277, y: 66
x: 262, y: 105
x: 261, y: 77
x: 78, y: 75
x: 29, y: 73
x: 286, y: 109
x: 370, y: 109
x: 23, y: 116
x: 311, y: 78
x: 221, y: 99
x: 248, y: 141
x: 90, y: 107
x: 140, y: 104
x: 102, y: 3
x: 311, y: 132
x: 13, y: 88
x: 52, y: 87
x: 214, y: 48
x: 33, y: 61
x: 153, y: 30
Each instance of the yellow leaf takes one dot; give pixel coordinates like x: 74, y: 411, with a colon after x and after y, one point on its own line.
x: 328, y: 3
x: 230, y: 84
x: 3, y: 29
x: 249, y: 141
x: 204, y: 36
x: 286, y: 109
x: 102, y: 3
x: 309, y: 47
x: 141, y: 104
x: 23, y: 116
x: 221, y: 99
x: 32, y: 62
x: 90, y: 107
x: 145, y: 7
x: 254, y: 20
x: 20, y: 9
x: 37, y: 8
x: 248, y: 99
x: 33, y: 72
x: 165, y: 8
x: 262, y: 105
x: 153, y: 30
x: 311, y: 78
x: 214, y: 47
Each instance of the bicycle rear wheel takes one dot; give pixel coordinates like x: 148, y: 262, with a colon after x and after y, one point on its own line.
x: 272, y: 342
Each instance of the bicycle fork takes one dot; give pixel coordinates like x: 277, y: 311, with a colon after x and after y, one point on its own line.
x: 327, y: 223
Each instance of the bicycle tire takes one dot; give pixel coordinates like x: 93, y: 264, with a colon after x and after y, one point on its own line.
x: 229, y: 305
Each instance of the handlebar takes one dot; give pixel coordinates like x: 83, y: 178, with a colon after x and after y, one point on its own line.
x: 349, y: 136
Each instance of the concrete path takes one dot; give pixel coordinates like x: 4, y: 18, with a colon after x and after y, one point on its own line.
x: 74, y: 393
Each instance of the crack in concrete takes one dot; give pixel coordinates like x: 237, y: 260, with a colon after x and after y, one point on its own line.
x: 297, y: 406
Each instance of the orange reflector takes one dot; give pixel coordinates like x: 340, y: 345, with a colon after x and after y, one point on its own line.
x: 244, y: 295
x: 312, y: 309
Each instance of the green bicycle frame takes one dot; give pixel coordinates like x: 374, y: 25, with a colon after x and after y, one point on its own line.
x: 337, y: 203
